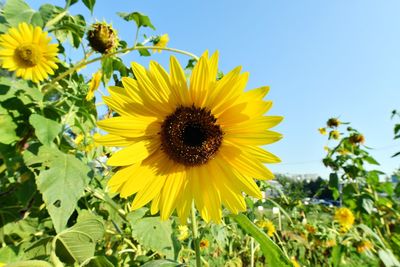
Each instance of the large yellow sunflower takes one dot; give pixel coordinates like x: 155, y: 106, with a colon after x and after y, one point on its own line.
x: 184, y: 143
x: 27, y: 51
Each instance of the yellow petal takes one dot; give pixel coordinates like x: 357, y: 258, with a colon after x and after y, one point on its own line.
x: 130, y: 127
x: 133, y: 153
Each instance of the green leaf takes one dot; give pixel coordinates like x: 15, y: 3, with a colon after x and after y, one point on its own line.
x: 164, y: 263
x: 89, y: 4
x: 61, y: 184
x: 371, y: 160
x: 143, y: 52
x: 388, y: 258
x: 38, y: 249
x: 99, y: 261
x: 7, y: 128
x: 155, y: 234
x: 273, y: 254
x: 9, y: 254
x: 336, y: 257
x: 17, y: 11
x: 139, y: 18
x: 69, y: 27
x: 45, y: 129
x: 367, y: 204
x: 77, y: 243
x: 31, y: 263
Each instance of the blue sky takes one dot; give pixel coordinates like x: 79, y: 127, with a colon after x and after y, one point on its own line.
x: 322, y: 59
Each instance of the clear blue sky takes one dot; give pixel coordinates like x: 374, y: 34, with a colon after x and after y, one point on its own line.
x: 321, y: 58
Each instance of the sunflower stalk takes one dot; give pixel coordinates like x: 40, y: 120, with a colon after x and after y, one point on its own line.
x: 125, y: 50
x: 196, y: 237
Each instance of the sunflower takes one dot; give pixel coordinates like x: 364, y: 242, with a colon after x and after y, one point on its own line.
x: 26, y: 50
x: 345, y: 218
x: 268, y: 226
x: 182, y: 144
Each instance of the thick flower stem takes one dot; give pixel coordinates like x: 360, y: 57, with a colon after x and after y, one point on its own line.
x: 126, y: 50
x: 196, y: 238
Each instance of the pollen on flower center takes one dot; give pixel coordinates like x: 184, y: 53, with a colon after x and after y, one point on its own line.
x: 28, y: 55
x: 190, y: 135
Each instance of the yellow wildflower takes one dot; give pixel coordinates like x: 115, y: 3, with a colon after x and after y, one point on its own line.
x: 204, y: 244
x: 94, y: 84
x: 267, y: 225
x: 345, y: 218
x: 364, y: 246
x: 295, y: 262
x: 183, y: 232
x: 334, y: 134
x: 322, y: 131
x: 160, y: 41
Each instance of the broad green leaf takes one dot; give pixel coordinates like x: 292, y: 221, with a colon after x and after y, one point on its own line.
x: 388, y: 258
x: 155, y: 234
x: 139, y: 18
x: 17, y: 11
x: 51, y: 14
x: 89, y: 4
x: 9, y: 254
x: 61, y: 185
x: 99, y: 261
x: 71, y: 28
x: 371, y: 160
x: 38, y: 249
x: 7, y: 128
x: 163, y: 263
x: 30, y: 263
x: 46, y: 130
x: 77, y: 243
x: 273, y: 254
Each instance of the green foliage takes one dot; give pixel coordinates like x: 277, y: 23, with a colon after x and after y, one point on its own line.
x: 140, y: 19
x: 56, y: 209
x: 273, y: 254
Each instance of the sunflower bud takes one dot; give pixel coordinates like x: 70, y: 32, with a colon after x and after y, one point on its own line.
x: 102, y: 38
x: 356, y: 139
x: 333, y: 122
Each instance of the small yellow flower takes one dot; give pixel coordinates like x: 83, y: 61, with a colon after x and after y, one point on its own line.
x: 183, y: 232
x: 330, y: 243
x: 342, y: 151
x: 364, y: 246
x: 295, y: 262
x: 334, y: 134
x: 326, y: 148
x: 267, y: 225
x: 204, y: 244
x: 345, y: 218
x: 160, y: 41
x: 27, y: 51
x: 78, y: 139
x: 333, y: 122
x: 322, y: 131
x: 94, y: 84
x: 310, y: 228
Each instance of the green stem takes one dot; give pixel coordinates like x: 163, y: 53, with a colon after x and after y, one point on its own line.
x: 196, y: 239
x: 84, y: 62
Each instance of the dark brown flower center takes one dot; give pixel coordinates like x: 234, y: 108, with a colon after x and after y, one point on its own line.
x: 28, y: 55
x: 190, y: 135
